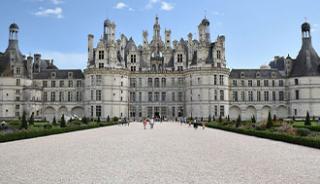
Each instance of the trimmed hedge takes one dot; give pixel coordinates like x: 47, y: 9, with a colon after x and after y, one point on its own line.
x: 312, y: 128
x: 304, y: 141
x: 26, y: 134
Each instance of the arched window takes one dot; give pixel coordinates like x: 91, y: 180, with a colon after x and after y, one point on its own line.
x: 163, y: 82
x: 218, y: 54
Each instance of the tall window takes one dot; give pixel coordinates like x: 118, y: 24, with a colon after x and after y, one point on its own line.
x: 281, y: 96
x: 101, y: 65
x: 91, y: 94
x: 179, y: 58
x: 296, y: 81
x: 173, y: 96
x: 266, y: 83
x: 69, y: 96
x: 266, y: 96
x: 98, y: 80
x: 180, y: 81
x: 163, y: 82
x: 53, y: 96
x: 234, y: 83
x: 273, y: 95
x: 61, y: 84
x: 235, y: 96
x: 280, y: 82
x: 18, y: 71
x: 250, y: 83
x: 221, y: 95
x: 218, y: 54
x: 44, y: 84
x: 101, y: 54
x: 133, y: 82
x: 150, y: 96
x: 156, y: 96
x: 61, y: 96
x: 53, y: 84
x: 222, y: 111
x: 250, y: 94
x: 78, y: 96
x: 45, y: 96
x: 163, y: 96
x: 297, y: 95
x: 258, y: 83
x: 221, y: 79
x: 70, y: 83
x: 156, y: 82
x: 78, y: 83
x: 133, y: 58
x: 98, y: 95
x: 215, y: 79
x: 98, y: 110
x: 180, y: 96
x: 258, y: 96
x: 215, y: 95
x: 243, y: 97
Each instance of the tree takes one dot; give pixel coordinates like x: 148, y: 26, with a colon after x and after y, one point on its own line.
x: 24, y: 123
x: 274, y: 117
x: 269, y: 122
x: 31, y: 120
x: 98, y: 120
x: 253, y: 119
x: 209, y: 118
x: 220, y: 119
x: 238, y: 122
x: 108, y: 119
x: 54, y: 121
x: 228, y: 118
x: 62, y: 122
x: 307, y: 122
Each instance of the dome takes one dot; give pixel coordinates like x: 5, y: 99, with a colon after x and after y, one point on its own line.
x: 205, y: 22
x: 305, y: 27
x: 14, y: 26
x: 107, y: 22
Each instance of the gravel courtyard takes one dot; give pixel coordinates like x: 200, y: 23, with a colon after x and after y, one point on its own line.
x: 170, y: 153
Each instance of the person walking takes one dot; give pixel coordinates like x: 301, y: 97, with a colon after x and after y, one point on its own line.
x: 195, y: 123
x: 151, y: 123
x: 203, y: 125
x: 145, y: 121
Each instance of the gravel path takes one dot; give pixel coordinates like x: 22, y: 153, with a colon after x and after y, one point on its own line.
x: 170, y: 153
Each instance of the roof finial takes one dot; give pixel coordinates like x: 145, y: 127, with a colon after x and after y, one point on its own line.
x: 205, y: 13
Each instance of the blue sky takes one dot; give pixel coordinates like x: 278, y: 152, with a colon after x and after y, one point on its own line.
x: 255, y: 31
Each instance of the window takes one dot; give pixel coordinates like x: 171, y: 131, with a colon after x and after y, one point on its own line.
x: 18, y: 71
x: 296, y: 81
x: 53, y: 84
x: 180, y: 68
x: 266, y: 96
x: 258, y: 83
x: 140, y: 82
x: 17, y: 98
x: 133, y: 82
x: 44, y: 84
x: 98, y: 80
x: 273, y: 83
x: 70, y: 83
x: 150, y: 96
x: 53, y: 97
x: 156, y: 96
x: 98, y: 111
x: 280, y: 82
x: 297, y: 95
x: 91, y: 94
x: 149, y: 112
x: 53, y: 75
x: 221, y: 95
x: 173, y: 96
x: 215, y: 95
x: 172, y: 81
x: 274, y: 96
x: 221, y: 79
x: 91, y: 111
x: 156, y: 82
x: 266, y: 83
x: 218, y: 54
x: 132, y: 96
x: 17, y: 107
x: 180, y: 58
x: 121, y: 83
x: 18, y: 92
x: 133, y: 58
x: 234, y: 83
x: 281, y: 96
x: 235, y: 96
x: 250, y: 83
x: 180, y: 96
x: 61, y: 83
x: 243, y: 97
x: 149, y: 82
x: 70, y: 75
x: 258, y: 96
x: 295, y: 112
x: 133, y: 68
x: 45, y: 96
x: 140, y: 96
x: 242, y: 83
x: 101, y: 65
x: 163, y: 82
x: 163, y: 96
x: 101, y: 54
x: 69, y: 96
x: 92, y: 80
x: 173, y: 111
x: 180, y: 81
x: 215, y: 110
x: 215, y: 79
x: 222, y: 111
x: 78, y: 83
x: 250, y: 94
x: 98, y: 95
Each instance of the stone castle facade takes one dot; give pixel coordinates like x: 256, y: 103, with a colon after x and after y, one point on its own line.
x: 160, y: 77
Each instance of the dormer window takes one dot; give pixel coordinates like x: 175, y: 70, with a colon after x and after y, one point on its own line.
x: 70, y: 74
x: 218, y: 54
x: 18, y: 71
x: 101, y: 54
x: 258, y: 75
x: 242, y: 75
x: 296, y: 82
x: 53, y: 75
x: 133, y: 58
x: 273, y: 75
x: 179, y: 58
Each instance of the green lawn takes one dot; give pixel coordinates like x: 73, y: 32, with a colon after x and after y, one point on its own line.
x: 301, y: 123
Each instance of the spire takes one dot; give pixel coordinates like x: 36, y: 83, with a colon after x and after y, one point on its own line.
x: 156, y: 29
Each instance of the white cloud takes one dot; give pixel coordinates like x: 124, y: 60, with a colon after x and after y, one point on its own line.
x: 55, y: 12
x: 166, y: 6
x: 66, y: 60
x: 56, y: 2
x: 120, y: 5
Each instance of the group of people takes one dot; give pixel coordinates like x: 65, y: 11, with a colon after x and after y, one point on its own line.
x: 195, y: 122
x: 124, y: 121
x: 148, y: 121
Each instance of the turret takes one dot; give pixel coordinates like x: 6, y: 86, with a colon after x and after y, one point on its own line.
x: 204, y: 31
x: 156, y: 30
x: 13, y: 37
x: 109, y: 31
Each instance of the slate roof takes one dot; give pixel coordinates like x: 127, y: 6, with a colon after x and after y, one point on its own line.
x: 60, y: 74
x: 5, y: 65
x: 252, y: 73
x: 278, y: 63
x: 307, y: 62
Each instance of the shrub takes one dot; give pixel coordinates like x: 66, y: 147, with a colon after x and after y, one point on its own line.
x: 31, y: 119
x: 228, y: 118
x: 302, y: 132
x: 62, y: 122
x: 54, y: 121
x: 47, y: 126
x: 108, y: 119
x: 24, y: 123
x: 238, y: 122
x: 209, y: 118
x: 98, y: 119
x: 84, y: 120
x: 220, y: 119
x: 269, y: 122
x: 115, y: 119
x: 253, y: 119
x: 274, y: 117
x: 286, y: 128
x: 307, y: 122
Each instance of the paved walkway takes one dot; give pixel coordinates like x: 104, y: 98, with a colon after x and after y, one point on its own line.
x: 170, y: 153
